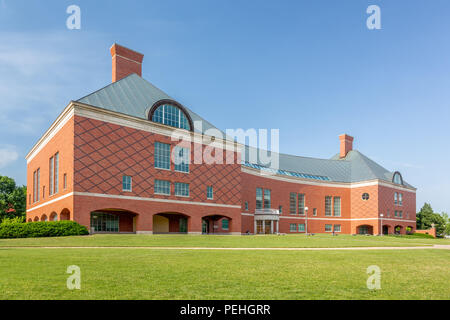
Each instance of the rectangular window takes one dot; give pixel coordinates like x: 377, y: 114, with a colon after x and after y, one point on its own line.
x: 126, y: 183
x: 292, y: 227
x: 301, y: 204
x: 209, y: 193
x: 328, y: 206
x: 396, y: 198
x: 182, y: 159
x: 38, y: 173
x: 328, y: 228
x: 267, y: 202
x: 162, y: 187
x: 34, y: 186
x: 104, y: 222
x: 337, y: 228
x: 65, y: 181
x: 337, y: 206
x: 396, y: 213
x: 246, y: 205
x: 301, y: 227
x: 56, y: 172
x: 162, y: 155
x: 400, y: 199
x: 400, y: 213
x: 225, y: 224
x: 293, y: 203
x: 280, y: 209
x: 181, y: 189
x: 43, y: 192
x: 51, y: 176
x: 315, y: 212
x: 259, y: 200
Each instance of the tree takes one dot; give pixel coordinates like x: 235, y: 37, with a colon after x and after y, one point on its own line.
x: 12, y: 199
x: 426, y: 217
x: 447, y: 223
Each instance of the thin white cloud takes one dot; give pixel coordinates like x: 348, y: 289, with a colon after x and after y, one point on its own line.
x: 7, y: 156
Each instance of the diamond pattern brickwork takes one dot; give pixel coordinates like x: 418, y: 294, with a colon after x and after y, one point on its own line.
x: 104, y: 152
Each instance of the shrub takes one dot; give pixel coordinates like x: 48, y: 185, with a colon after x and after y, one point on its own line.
x: 11, y: 230
x: 420, y: 235
x: 13, y: 220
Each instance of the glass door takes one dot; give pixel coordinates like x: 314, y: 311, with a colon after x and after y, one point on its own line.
x: 183, y: 225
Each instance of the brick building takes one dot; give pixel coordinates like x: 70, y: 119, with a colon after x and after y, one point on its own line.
x: 113, y: 162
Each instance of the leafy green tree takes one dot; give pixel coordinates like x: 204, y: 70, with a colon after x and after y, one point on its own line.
x: 426, y: 217
x: 12, y: 199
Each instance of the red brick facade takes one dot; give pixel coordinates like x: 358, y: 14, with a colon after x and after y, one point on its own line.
x: 94, y: 155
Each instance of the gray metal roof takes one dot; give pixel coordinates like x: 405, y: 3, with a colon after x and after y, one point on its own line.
x: 135, y: 96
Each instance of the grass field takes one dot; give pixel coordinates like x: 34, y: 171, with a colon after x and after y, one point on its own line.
x: 32, y: 273
x: 210, y: 241
x: 136, y: 273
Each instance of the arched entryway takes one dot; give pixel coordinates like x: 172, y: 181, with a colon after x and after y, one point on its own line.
x: 216, y: 224
x: 36, y: 219
x: 409, y: 230
x: 53, y: 216
x: 364, y: 229
x: 398, y: 229
x: 44, y: 217
x: 170, y: 222
x: 30, y: 220
x: 64, y: 215
x: 387, y: 229
x: 112, y: 221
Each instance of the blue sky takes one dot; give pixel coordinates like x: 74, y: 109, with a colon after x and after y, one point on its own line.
x: 309, y: 68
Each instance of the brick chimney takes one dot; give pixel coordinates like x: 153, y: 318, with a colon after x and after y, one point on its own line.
x: 346, y: 144
x: 125, y: 62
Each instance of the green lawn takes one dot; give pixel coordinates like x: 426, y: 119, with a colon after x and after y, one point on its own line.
x: 267, y: 241
x: 36, y: 273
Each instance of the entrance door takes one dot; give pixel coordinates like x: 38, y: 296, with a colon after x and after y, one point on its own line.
x: 385, y: 229
x: 183, y: 225
x: 267, y: 228
x: 205, y: 226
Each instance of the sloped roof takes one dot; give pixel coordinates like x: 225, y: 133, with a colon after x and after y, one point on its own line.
x: 135, y: 96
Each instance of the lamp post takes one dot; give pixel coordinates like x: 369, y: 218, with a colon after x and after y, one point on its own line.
x: 306, y: 220
x: 381, y: 216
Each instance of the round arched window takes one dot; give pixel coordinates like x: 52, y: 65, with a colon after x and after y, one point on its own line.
x: 365, y: 196
x: 397, y: 179
x: 171, y: 115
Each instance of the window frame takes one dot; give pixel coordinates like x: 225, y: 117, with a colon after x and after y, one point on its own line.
x: 167, y: 186
x: 159, y: 158
x: 126, y: 183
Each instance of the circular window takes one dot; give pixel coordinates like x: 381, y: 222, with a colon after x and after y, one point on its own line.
x: 365, y: 196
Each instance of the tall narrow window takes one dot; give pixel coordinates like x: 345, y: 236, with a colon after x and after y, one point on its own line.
x: 38, y: 173
x: 51, y: 176
x: 301, y: 204
x: 400, y: 199
x: 328, y: 205
x: 57, y: 172
x: 126, y: 183
x: 65, y: 181
x: 337, y: 228
x: 181, y: 159
x: 293, y: 227
x: 162, y: 155
x: 246, y: 205
x: 280, y: 209
x: 328, y: 228
x: 34, y: 186
x: 209, y: 192
x: 315, y: 212
x: 259, y: 198
x: 396, y: 198
x: 292, y: 203
x: 337, y: 206
x: 301, y: 227
x: 267, y: 199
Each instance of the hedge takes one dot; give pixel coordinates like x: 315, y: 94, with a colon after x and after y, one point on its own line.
x: 41, y: 229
